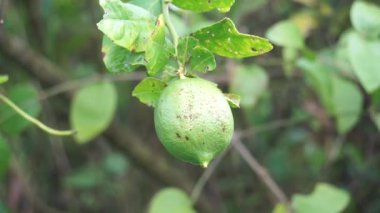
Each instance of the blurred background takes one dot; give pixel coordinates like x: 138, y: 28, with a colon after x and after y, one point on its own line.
x: 305, y: 115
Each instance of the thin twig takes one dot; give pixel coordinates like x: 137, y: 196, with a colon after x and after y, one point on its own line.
x: 197, y: 190
x: 273, y: 125
x: 79, y: 83
x: 169, y: 24
x: 33, y: 120
x: 261, y: 172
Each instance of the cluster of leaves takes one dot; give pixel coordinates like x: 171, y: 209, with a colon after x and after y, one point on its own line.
x: 136, y: 35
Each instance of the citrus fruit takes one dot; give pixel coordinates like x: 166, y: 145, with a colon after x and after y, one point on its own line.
x: 193, y: 120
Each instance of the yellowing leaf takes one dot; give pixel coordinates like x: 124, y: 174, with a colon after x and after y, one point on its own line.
x: 3, y: 79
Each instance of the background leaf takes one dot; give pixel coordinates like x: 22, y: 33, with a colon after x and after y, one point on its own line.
x: 3, y: 79
x: 340, y: 98
x: 364, y: 56
x: 325, y: 198
x: 26, y: 97
x: 5, y: 157
x: 116, y: 164
x: 365, y: 17
x: 85, y: 178
x: 204, y: 5
x: 223, y: 39
x: 126, y: 24
x: 286, y: 34
x: 92, y: 110
x: 171, y: 200
x: 148, y: 91
x: 3, y: 208
x: 319, y: 76
x: 347, y: 104
x: 153, y: 6
x: 249, y: 82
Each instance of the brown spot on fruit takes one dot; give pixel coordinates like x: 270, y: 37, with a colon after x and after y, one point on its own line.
x: 178, y: 135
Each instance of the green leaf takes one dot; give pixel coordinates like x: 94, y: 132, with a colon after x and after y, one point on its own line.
x: 157, y: 52
x: 153, y: 6
x: 3, y: 79
x: 148, y: 91
x: 347, y: 104
x: 286, y: 34
x: 375, y: 108
x: 364, y: 57
x: 126, y: 24
x: 171, y: 200
x: 185, y: 47
x: 24, y: 96
x: 341, y: 98
x: 325, y: 198
x: 365, y: 18
x: 85, y: 178
x: 223, y: 39
x: 3, y: 208
x: 202, y: 60
x: 233, y: 100
x: 319, y: 76
x: 92, y: 110
x: 118, y: 59
x: 5, y: 156
x: 205, y: 5
x: 115, y: 164
x: 249, y: 83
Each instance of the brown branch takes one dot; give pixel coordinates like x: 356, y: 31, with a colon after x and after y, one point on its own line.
x: 260, y: 171
x: 120, y: 137
x: 198, y: 188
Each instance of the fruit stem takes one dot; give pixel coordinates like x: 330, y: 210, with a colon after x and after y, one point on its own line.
x: 33, y: 120
x: 173, y: 33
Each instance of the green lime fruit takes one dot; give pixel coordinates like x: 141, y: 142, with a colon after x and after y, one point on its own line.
x: 193, y: 120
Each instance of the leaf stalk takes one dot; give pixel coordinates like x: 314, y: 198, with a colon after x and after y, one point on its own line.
x: 173, y: 33
x: 33, y: 120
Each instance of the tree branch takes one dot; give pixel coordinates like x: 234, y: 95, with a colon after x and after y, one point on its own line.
x: 260, y: 171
